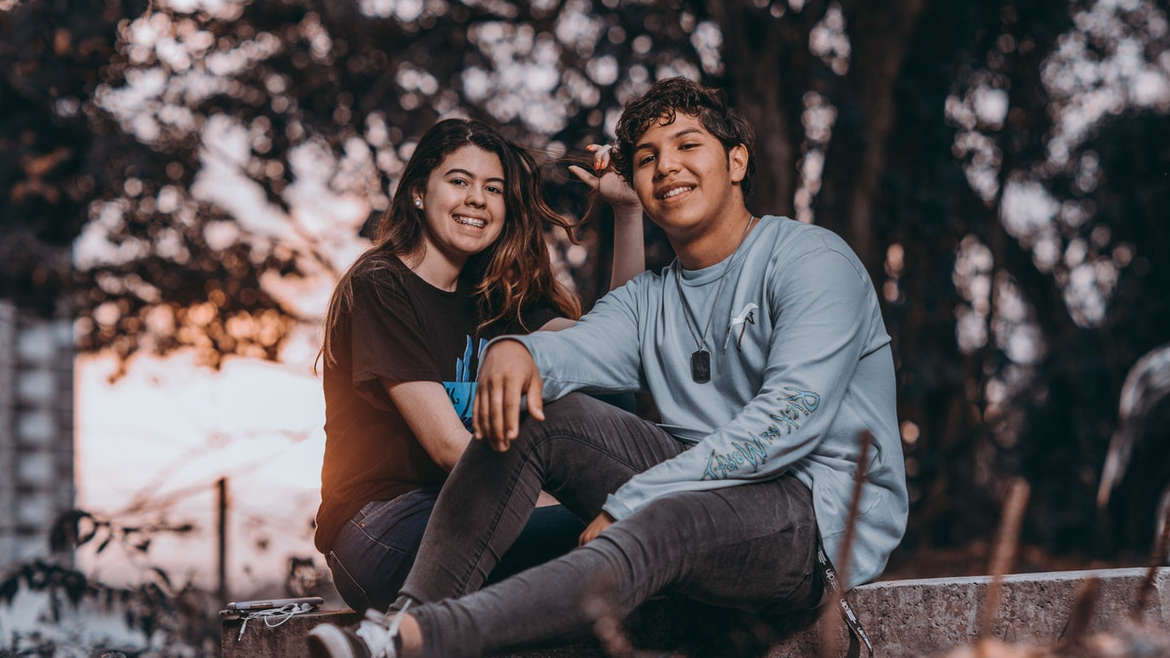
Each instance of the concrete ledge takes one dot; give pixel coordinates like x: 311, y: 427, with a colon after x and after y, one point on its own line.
x: 917, y: 617
x: 903, y: 618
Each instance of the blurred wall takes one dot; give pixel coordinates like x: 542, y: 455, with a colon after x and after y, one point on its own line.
x: 36, y: 429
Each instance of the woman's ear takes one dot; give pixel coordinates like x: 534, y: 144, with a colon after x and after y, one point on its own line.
x: 737, y: 162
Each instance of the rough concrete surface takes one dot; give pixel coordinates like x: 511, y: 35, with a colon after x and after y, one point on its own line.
x: 923, y: 617
x: 903, y: 618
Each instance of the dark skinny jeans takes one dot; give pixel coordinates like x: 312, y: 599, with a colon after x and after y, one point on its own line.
x: 751, y: 547
x: 374, y: 550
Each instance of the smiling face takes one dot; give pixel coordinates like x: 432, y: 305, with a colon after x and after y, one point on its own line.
x: 686, y: 180
x: 463, y: 203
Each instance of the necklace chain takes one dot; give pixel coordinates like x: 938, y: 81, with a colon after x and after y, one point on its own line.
x: 688, y: 314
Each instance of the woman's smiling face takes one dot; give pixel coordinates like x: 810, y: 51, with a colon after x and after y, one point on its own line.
x: 463, y: 203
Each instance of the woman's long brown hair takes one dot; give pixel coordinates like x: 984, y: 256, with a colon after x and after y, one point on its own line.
x: 511, y: 274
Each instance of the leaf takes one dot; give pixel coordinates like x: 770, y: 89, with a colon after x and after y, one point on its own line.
x: 148, y: 624
x: 163, y: 576
x: 67, y: 531
x: 9, y: 588
x: 76, y: 585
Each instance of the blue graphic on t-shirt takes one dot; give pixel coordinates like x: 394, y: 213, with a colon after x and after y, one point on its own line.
x: 462, y: 390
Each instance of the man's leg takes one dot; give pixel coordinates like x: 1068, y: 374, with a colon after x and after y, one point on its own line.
x: 751, y: 547
x: 583, y: 451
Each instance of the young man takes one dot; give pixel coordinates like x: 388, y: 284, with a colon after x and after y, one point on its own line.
x: 766, y: 354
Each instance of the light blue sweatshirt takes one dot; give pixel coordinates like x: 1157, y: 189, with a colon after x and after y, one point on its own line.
x: 800, y: 364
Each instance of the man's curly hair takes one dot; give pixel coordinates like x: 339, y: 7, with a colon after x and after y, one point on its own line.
x: 663, y: 101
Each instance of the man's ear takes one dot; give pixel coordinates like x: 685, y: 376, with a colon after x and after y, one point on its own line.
x: 737, y: 162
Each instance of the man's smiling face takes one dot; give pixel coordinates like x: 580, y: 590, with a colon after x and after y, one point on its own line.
x: 684, y: 177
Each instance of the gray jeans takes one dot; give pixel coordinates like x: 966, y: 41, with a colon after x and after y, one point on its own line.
x: 751, y: 547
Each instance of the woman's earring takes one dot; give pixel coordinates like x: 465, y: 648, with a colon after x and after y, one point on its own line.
x: 418, y: 203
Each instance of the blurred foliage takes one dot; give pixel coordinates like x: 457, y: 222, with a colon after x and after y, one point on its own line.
x: 76, y: 527
x: 927, y: 134
x: 149, y: 619
x: 59, y: 611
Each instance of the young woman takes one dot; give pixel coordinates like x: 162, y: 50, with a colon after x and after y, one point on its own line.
x: 459, y: 258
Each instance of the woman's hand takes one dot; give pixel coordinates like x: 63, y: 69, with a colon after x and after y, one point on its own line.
x: 606, y: 181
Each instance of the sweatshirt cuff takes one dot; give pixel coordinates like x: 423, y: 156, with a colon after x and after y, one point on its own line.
x: 616, y: 508
x: 519, y: 338
x: 524, y: 340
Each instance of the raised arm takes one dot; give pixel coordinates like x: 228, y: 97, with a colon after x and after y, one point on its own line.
x: 629, y: 253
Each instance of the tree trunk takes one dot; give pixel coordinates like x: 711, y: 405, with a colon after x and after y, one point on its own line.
x: 879, y: 38
x: 767, y: 71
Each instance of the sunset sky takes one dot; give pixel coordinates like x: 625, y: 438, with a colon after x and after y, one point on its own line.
x: 170, y: 428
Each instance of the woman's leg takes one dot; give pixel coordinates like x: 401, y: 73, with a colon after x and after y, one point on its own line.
x: 583, y: 451
x: 374, y: 550
x: 751, y: 547
x: 550, y: 532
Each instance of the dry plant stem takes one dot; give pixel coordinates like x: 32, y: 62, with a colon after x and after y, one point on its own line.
x: 607, y: 628
x: 1157, y: 558
x: 1002, y: 554
x: 831, y: 625
x: 1082, y: 613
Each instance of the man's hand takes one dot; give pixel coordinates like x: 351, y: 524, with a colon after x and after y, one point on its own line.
x: 608, y: 183
x: 506, y: 373
x: 603, y: 521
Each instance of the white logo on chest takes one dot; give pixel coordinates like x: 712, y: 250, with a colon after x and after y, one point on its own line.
x: 739, y: 324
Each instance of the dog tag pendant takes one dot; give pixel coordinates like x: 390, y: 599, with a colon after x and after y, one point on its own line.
x: 701, y: 366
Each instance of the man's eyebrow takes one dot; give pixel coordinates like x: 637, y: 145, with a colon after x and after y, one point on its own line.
x: 684, y: 131
x: 457, y: 170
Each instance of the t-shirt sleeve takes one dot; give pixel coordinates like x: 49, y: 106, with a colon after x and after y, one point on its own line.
x: 386, y: 340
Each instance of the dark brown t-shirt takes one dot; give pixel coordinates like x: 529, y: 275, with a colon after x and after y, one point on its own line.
x: 399, y: 328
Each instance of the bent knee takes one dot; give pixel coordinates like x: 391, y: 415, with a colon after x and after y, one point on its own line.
x: 559, y: 415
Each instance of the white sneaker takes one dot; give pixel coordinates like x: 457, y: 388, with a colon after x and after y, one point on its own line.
x: 374, y: 637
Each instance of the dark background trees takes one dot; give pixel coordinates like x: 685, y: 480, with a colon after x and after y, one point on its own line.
x: 1001, y: 167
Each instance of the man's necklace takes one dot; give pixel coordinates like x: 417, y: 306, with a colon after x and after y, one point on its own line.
x: 701, y: 358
